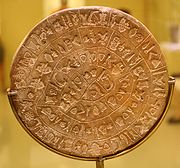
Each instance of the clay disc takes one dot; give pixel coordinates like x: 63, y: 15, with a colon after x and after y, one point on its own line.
x: 89, y: 82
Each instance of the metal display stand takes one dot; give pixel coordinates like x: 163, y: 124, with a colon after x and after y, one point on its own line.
x: 100, y: 161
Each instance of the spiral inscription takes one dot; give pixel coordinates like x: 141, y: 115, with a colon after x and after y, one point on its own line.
x: 90, y: 82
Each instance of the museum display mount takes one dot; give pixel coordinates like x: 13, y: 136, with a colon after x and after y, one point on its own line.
x: 90, y: 83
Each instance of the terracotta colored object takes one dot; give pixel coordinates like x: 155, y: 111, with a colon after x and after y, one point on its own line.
x: 89, y: 83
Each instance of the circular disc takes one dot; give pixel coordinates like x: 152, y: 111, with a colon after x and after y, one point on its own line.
x: 89, y: 82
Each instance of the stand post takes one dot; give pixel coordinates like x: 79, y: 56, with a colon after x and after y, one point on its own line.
x: 100, y: 163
